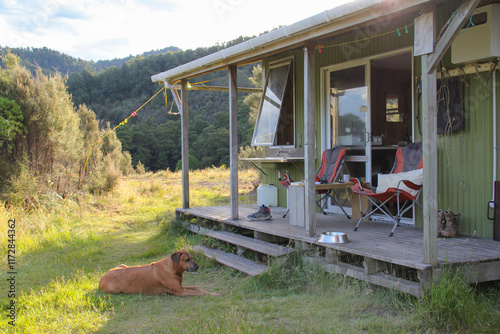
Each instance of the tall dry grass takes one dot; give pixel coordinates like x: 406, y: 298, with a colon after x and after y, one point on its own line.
x: 65, y: 245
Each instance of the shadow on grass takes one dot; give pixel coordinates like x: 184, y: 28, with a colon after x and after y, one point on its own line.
x: 61, y: 274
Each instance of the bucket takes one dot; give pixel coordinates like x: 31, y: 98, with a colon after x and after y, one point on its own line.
x: 267, y: 195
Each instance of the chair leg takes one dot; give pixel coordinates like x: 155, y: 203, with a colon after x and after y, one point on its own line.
x: 323, y: 207
x: 321, y: 203
x: 286, y: 212
x: 363, y: 215
x: 335, y: 198
x: 357, y: 225
x: 396, y: 224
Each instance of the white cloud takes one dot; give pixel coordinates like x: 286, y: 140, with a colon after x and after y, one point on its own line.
x: 93, y: 30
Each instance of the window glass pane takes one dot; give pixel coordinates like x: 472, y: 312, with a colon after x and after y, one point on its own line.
x: 267, y: 121
x: 392, y: 114
x: 348, y: 98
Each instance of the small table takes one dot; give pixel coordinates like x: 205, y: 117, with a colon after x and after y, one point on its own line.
x: 296, y: 193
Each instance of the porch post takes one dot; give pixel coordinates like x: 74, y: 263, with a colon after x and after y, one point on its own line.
x: 185, y: 144
x: 431, y: 56
x: 429, y: 142
x: 424, y: 46
x: 233, y: 139
x: 310, y: 139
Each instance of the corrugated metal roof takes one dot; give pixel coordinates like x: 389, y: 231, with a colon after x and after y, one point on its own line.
x: 315, y: 27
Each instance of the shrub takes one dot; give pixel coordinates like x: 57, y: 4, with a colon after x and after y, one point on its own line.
x: 112, y: 176
x: 23, y: 188
x: 140, y: 169
x: 249, y: 152
x: 193, y: 163
x: 126, y: 164
x: 105, y: 178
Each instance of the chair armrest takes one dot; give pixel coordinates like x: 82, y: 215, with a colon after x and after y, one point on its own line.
x: 410, y: 184
x: 356, y: 181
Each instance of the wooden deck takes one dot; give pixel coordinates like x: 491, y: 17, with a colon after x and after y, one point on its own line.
x: 394, y: 262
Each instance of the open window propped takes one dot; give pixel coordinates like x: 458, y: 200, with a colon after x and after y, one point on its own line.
x: 275, y: 124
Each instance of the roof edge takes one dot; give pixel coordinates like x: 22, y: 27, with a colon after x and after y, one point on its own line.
x: 223, y: 58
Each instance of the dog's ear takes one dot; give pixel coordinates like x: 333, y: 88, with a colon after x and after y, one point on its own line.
x: 176, y: 257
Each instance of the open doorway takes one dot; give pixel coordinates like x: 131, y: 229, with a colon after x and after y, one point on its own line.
x: 391, y: 110
x: 368, y: 109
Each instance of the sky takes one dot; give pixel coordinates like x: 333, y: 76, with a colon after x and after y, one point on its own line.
x: 108, y: 29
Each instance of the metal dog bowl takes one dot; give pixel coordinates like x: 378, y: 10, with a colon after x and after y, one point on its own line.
x: 333, y: 238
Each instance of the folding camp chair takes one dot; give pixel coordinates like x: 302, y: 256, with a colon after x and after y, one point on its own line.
x: 332, y: 161
x: 402, y: 186
x: 285, y: 182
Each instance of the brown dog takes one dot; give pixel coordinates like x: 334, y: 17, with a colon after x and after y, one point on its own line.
x: 164, y: 276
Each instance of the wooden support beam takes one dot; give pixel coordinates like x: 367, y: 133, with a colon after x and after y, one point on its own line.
x: 381, y: 279
x: 216, y: 88
x: 424, y: 46
x: 429, y: 112
x: 233, y: 139
x: 332, y: 256
x: 177, y: 99
x: 310, y: 139
x: 372, y: 266
x: 429, y: 143
x: 185, y: 144
x: 455, y: 25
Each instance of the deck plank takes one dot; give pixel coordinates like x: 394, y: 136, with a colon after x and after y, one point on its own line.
x: 239, y: 263
x: 371, y: 239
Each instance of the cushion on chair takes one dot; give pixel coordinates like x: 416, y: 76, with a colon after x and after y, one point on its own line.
x: 386, y: 181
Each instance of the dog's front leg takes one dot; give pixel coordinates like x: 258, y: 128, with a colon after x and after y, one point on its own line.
x: 194, y: 291
x: 193, y: 288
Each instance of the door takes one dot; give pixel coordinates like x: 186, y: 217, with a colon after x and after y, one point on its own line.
x: 348, y: 121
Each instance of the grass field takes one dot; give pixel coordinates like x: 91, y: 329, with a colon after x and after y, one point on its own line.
x: 63, y: 248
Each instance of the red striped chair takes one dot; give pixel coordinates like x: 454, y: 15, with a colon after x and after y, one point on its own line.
x: 403, y: 186
x: 332, y: 161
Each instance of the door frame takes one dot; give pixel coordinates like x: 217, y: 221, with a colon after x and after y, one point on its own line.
x: 324, y: 114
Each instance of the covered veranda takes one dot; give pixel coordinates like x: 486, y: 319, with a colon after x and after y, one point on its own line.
x: 417, y: 248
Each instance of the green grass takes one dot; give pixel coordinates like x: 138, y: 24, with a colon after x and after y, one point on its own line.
x: 455, y: 304
x: 64, y: 247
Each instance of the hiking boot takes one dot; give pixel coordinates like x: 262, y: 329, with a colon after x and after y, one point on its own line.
x: 441, y: 222
x: 263, y: 214
x: 451, y: 229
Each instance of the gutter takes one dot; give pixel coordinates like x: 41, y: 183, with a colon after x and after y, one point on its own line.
x: 327, y: 22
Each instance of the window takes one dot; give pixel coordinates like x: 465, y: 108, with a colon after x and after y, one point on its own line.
x: 275, y: 124
x: 392, y: 112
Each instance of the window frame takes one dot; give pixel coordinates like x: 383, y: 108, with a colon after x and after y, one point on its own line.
x: 290, y: 79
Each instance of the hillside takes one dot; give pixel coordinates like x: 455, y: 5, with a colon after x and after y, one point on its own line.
x: 113, y: 89
x: 54, y: 61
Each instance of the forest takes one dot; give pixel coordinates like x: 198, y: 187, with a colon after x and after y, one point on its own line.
x: 114, y: 89
x: 55, y: 109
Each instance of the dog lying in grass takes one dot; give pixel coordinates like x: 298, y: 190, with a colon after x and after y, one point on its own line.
x: 164, y: 276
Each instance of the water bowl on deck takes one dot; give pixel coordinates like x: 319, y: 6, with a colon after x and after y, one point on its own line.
x: 333, y: 238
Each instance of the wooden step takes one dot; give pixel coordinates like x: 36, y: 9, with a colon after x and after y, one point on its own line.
x: 239, y: 263
x: 259, y: 246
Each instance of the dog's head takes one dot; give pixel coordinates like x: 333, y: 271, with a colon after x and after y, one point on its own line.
x: 183, y: 261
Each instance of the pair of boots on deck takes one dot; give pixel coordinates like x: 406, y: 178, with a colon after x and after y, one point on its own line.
x: 447, y: 224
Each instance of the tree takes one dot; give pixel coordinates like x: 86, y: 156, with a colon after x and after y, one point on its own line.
x: 11, y: 125
x: 50, y: 139
x: 253, y: 100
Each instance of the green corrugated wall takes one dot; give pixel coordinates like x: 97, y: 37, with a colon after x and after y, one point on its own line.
x: 465, y: 161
